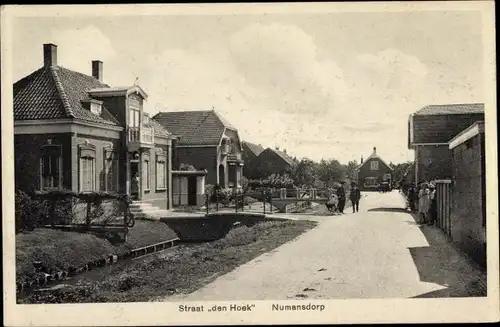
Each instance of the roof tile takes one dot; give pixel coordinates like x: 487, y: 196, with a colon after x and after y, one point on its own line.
x: 451, y: 109
x: 194, y: 127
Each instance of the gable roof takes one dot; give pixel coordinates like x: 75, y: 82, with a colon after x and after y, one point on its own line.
x: 374, y: 155
x: 256, y: 149
x: 203, y: 127
x: 451, y: 109
x: 56, y: 93
x: 288, y: 160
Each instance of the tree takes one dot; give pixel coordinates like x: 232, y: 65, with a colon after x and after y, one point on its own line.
x: 399, y: 170
x: 304, y: 173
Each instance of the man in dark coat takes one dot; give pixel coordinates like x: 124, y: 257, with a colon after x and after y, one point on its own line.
x: 341, y: 196
x: 355, y: 196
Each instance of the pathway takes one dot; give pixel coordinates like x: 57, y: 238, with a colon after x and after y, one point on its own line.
x: 378, y: 252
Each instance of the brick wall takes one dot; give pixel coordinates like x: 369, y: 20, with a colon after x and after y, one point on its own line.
x: 201, y: 158
x: 27, y: 159
x: 100, y: 144
x: 365, y: 171
x: 468, y: 219
x: 158, y: 197
x: 433, y: 162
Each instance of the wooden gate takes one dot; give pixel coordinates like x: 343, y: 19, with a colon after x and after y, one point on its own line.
x: 443, y: 199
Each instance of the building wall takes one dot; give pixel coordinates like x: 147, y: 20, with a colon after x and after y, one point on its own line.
x: 433, y: 162
x: 251, y: 170
x: 201, y: 158
x: 468, y: 213
x: 158, y: 197
x: 365, y: 171
x: 27, y: 152
x: 100, y: 144
x: 180, y: 190
x: 117, y: 107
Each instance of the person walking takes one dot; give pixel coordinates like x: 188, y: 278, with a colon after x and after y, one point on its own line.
x: 355, y: 196
x: 411, y: 198
x: 423, y: 203
x: 341, y: 196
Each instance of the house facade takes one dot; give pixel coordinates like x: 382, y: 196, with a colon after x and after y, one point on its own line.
x: 251, y: 154
x: 468, y: 192
x: 373, y: 171
x: 72, y: 131
x: 429, y: 131
x: 208, y: 142
x: 273, y: 161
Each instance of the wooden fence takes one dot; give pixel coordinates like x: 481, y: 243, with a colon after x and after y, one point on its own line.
x: 444, y: 202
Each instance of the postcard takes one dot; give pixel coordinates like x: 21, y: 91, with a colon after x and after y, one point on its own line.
x: 271, y: 163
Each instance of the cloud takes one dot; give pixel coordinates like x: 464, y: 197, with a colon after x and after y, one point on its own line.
x: 281, y: 62
x: 80, y: 46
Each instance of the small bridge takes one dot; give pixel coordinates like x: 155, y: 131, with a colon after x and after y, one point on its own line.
x: 300, y: 198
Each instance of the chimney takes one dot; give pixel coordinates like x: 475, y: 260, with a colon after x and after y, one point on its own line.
x: 49, y: 55
x: 374, y: 150
x: 361, y: 159
x: 97, y: 69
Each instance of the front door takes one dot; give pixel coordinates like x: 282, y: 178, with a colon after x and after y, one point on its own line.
x: 134, y: 180
x: 192, y: 191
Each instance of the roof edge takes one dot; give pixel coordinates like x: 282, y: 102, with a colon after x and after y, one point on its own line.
x: 62, y: 94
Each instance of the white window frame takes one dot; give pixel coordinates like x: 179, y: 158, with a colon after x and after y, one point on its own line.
x: 374, y: 165
x: 146, y: 167
x: 87, y: 147
x: 161, y: 158
x: 59, y: 169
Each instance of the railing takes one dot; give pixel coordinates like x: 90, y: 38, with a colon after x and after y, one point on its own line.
x: 142, y: 135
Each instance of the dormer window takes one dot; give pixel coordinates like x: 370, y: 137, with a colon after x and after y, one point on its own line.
x: 95, y: 106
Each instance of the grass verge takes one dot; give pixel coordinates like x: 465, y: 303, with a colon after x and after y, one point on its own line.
x: 183, y: 270
x: 59, y: 250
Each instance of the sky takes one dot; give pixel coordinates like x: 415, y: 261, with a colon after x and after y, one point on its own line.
x: 321, y: 86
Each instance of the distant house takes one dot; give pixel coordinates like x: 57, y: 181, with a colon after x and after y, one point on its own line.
x: 73, y: 131
x: 251, y: 154
x: 273, y: 161
x: 373, y: 171
x: 429, y: 131
x: 208, y: 142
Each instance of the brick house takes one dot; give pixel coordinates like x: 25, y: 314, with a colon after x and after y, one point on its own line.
x: 72, y: 131
x: 468, y: 192
x: 207, y: 142
x: 373, y: 171
x: 274, y: 161
x: 429, y: 131
x: 251, y: 153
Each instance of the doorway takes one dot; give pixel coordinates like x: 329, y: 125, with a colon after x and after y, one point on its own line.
x: 192, y: 190
x: 134, y: 180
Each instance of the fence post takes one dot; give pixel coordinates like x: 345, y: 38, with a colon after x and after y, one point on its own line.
x: 264, y: 200
x: 206, y: 202
x: 89, y: 208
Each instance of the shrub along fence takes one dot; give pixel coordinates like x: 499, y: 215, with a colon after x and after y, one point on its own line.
x: 95, y: 211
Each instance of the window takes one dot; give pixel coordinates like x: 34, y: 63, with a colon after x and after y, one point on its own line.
x: 374, y: 165
x: 370, y: 181
x: 96, y: 108
x: 146, y: 172
x: 134, y: 118
x: 50, y: 166
x: 110, y: 171
x: 87, y: 168
x: 161, y: 170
